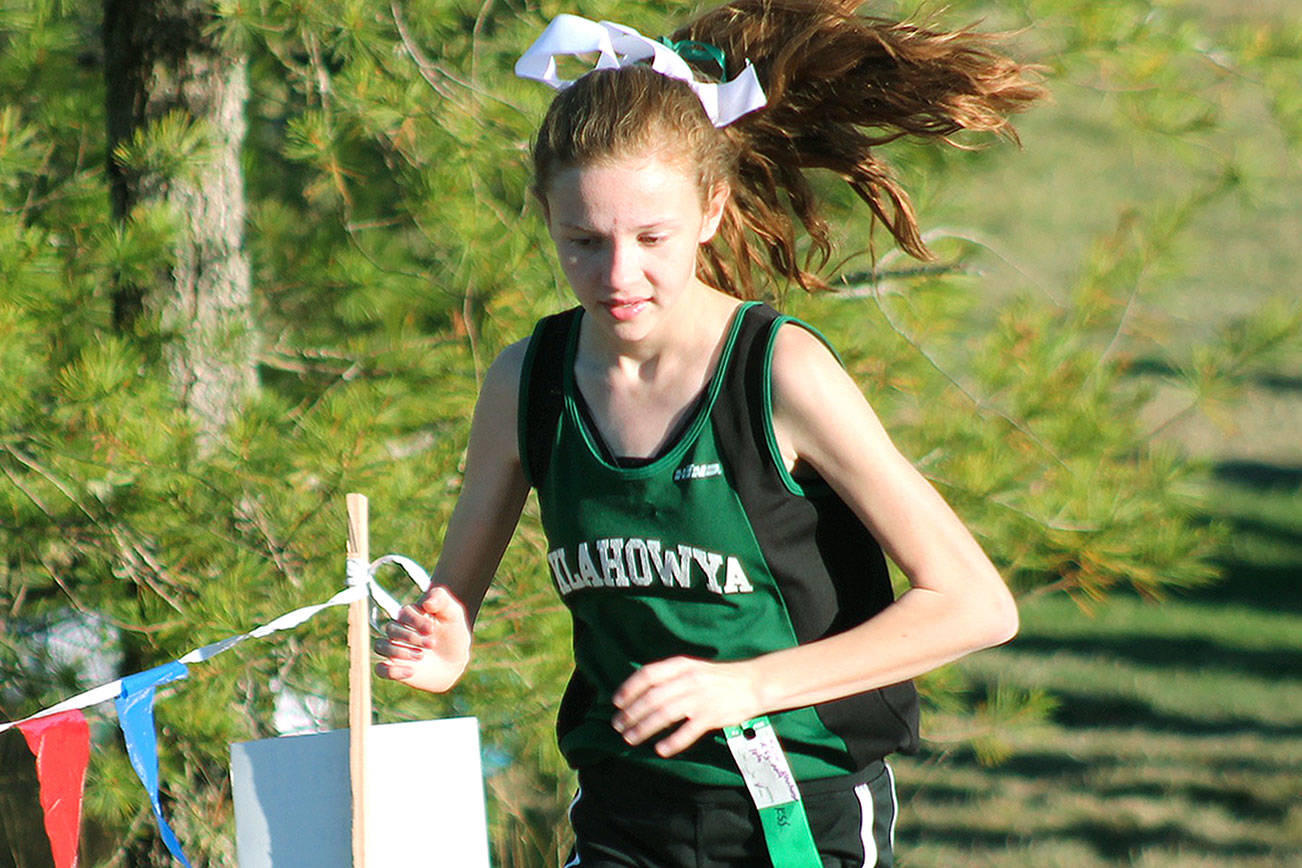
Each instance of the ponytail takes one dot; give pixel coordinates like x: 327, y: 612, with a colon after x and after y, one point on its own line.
x: 838, y: 86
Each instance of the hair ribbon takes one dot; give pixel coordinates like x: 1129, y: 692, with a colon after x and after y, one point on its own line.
x: 696, y: 52
x: 618, y: 46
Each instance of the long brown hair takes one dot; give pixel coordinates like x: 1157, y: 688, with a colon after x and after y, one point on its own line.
x: 839, y: 85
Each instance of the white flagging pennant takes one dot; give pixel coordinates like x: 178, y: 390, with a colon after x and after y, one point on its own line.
x: 361, y: 582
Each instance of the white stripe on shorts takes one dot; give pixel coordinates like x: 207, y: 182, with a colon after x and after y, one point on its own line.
x: 570, y: 812
x: 895, y: 803
x: 866, y: 815
x: 868, y: 819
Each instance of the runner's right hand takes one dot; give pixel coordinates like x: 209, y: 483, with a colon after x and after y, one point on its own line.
x: 428, y: 645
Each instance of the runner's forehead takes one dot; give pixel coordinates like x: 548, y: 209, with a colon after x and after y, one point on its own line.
x: 634, y: 194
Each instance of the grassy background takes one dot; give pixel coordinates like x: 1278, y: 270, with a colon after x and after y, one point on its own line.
x: 1177, y: 737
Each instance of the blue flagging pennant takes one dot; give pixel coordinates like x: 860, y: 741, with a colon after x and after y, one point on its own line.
x: 136, y: 718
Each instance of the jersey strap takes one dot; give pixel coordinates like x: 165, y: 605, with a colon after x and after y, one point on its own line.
x: 542, y: 393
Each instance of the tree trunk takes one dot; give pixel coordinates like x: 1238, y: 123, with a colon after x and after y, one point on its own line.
x: 161, y: 57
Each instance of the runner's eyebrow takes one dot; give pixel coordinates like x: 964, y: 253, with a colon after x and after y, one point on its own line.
x: 662, y: 223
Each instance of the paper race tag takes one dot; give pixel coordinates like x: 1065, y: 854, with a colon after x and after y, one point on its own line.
x: 763, y: 766
x: 773, y: 789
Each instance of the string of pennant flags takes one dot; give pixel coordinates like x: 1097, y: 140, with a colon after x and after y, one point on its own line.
x: 59, y: 736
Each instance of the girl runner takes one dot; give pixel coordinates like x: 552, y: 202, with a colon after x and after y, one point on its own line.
x: 716, y: 492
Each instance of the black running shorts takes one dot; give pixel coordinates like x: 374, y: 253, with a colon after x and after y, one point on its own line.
x: 623, y: 819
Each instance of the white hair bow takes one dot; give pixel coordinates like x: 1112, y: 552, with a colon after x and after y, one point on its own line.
x: 619, y: 46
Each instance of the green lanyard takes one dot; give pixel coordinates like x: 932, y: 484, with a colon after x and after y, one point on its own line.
x: 772, y: 787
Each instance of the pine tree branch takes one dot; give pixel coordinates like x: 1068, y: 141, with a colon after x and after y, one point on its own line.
x: 307, y: 405
x: 320, y: 73
x: 1174, y: 418
x: 1119, y: 330
x: 979, y: 403
x: 433, y: 74
x: 480, y: 18
x: 137, y: 560
x: 48, y: 476
x: 472, y: 337
x: 99, y: 614
x: 31, y: 495
x: 250, y: 512
x: 988, y: 245
x: 1064, y: 583
x: 997, y: 500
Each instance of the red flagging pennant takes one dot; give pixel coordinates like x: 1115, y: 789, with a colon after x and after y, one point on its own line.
x: 61, y: 743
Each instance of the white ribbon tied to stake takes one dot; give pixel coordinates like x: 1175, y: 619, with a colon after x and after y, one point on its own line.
x: 362, y: 574
x: 361, y: 583
x: 620, y: 46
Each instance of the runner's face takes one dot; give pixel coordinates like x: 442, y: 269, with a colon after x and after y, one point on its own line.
x: 627, y: 233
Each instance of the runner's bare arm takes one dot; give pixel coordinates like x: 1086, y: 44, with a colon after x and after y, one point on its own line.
x: 957, y: 601
x: 428, y: 645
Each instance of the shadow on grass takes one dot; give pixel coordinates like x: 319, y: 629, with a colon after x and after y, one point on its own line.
x: 1190, y: 653
x: 1258, y: 502
x: 1067, y: 773
x: 1268, y: 587
x: 1258, y: 474
x: 1122, y: 840
x: 1064, y: 770
x: 1085, y: 710
x: 1116, y: 842
x: 1239, y: 801
x: 1272, y: 381
x: 1253, y: 578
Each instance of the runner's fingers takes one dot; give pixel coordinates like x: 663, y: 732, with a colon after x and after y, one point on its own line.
x: 440, y: 603
x: 681, y: 739
x: 414, y: 619
x: 650, y: 676
x: 657, y: 709
x: 657, y: 682
x: 397, y: 650
x: 688, y: 731
x: 403, y: 635
x: 420, y: 631
x: 638, y: 731
x: 646, y: 705
x: 393, y: 671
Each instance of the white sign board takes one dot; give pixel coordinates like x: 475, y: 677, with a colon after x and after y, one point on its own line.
x: 425, y: 792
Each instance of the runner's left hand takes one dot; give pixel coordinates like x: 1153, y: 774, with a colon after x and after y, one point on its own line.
x: 698, y: 695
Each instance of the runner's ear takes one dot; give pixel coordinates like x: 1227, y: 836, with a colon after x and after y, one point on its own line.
x: 714, y: 206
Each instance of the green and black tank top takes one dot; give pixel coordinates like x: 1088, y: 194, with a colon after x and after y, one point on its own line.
x: 710, y: 550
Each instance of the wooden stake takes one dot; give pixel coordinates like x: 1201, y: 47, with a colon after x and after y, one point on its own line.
x: 359, y: 675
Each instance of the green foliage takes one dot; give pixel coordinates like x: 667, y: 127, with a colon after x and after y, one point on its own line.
x: 173, y: 146
x: 396, y: 251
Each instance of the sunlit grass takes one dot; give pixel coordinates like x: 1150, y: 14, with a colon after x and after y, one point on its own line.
x: 1178, y: 738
